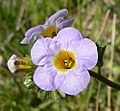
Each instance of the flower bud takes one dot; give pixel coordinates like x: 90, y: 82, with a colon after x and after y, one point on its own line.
x: 16, y: 63
x: 11, y: 64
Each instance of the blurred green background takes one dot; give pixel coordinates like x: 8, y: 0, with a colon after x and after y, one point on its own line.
x: 94, y: 18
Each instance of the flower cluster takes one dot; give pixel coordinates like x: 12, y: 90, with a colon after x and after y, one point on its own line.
x: 61, y: 54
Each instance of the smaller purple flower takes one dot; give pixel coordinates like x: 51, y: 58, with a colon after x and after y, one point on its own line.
x: 51, y: 27
x: 65, y: 61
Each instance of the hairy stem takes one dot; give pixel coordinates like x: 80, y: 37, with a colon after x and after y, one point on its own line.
x: 105, y: 80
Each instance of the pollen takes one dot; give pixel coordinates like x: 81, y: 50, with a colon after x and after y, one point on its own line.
x: 64, y: 61
x: 50, y: 31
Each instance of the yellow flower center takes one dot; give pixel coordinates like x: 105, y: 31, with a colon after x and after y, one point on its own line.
x: 50, y: 31
x: 64, y: 61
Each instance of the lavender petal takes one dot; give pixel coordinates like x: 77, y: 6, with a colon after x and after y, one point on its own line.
x: 60, y: 14
x: 65, y: 23
x: 44, y: 78
x: 75, y: 81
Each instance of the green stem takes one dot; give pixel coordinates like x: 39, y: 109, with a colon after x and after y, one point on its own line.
x: 99, y: 70
x: 104, y: 80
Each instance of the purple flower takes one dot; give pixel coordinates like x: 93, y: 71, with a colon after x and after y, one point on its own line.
x: 51, y: 27
x: 63, y: 61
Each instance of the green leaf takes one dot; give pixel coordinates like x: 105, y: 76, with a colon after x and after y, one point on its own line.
x: 55, y: 96
x: 29, y: 83
x: 61, y: 94
x: 43, y: 95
